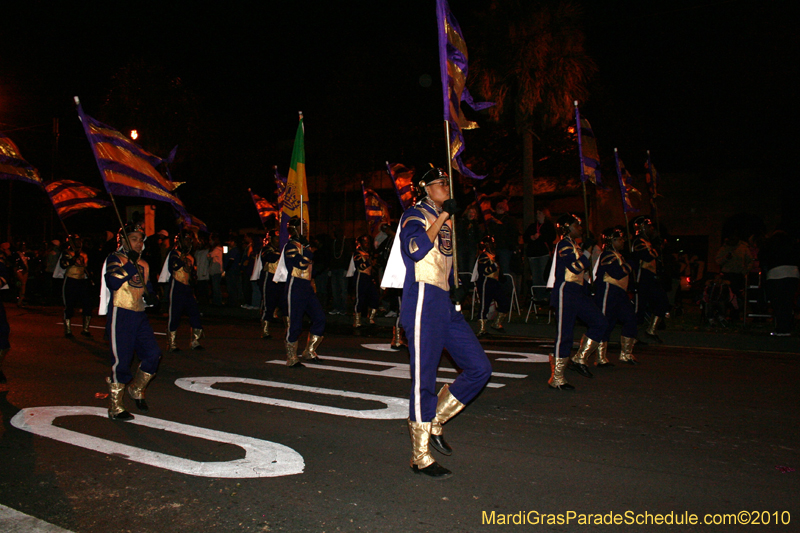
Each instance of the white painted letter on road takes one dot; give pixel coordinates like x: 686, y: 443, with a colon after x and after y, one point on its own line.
x: 262, y: 458
x: 396, y: 408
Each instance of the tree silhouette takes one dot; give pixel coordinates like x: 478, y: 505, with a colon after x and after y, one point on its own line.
x: 531, y: 62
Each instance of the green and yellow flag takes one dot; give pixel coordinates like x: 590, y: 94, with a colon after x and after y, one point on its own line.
x: 295, y: 199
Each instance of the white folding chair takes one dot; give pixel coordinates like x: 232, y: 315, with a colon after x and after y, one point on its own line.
x: 514, y: 299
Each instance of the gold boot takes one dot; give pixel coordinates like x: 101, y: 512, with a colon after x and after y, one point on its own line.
x: 602, y: 358
x: 357, y: 320
x: 137, y: 386
x: 172, y: 339
x: 3, y: 353
x: 626, y: 351
x: 422, y: 462
x: 265, y: 330
x: 397, y: 338
x: 557, y: 379
x: 291, y: 354
x: 482, y: 328
x: 447, y: 407
x: 68, y: 328
x: 652, y: 329
x: 579, y: 360
x: 197, y: 334
x: 498, y: 323
x: 116, y: 395
x: 372, y: 314
x: 87, y: 320
x: 310, y: 353
x: 286, y: 321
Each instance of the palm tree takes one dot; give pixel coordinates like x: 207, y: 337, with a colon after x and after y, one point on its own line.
x: 531, y: 62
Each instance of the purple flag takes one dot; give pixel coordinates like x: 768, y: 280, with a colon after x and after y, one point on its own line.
x: 453, y: 66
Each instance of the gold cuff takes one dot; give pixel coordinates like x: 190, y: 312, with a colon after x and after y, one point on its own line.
x: 139, y: 383
x: 420, y: 437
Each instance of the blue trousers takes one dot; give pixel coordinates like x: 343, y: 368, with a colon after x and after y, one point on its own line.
x: 572, y: 302
x: 129, y: 332
x: 650, y: 296
x: 366, y: 293
x: 274, y: 297
x: 490, y: 289
x: 302, y: 300
x: 617, y: 307
x: 182, y: 301
x: 77, y: 293
x: 432, y: 324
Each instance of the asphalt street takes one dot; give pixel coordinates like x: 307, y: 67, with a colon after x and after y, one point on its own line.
x: 236, y: 441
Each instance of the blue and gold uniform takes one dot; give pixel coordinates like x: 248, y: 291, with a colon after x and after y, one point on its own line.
x: 489, y: 288
x: 367, y: 296
x: 571, y: 301
x: 650, y: 295
x: 274, y: 293
x: 76, y: 291
x: 129, y: 331
x: 301, y: 299
x: 611, y: 296
x: 432, y: 324
x: 181, y: 297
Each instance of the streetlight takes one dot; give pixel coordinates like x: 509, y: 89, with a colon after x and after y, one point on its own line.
x: 134, y: 134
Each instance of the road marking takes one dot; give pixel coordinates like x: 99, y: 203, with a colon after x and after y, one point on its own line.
x: 262, y: 458
x: 524, y: 357
x: 379, y: 347
x: 393, y: 370
x: 396, y: 408
x: 102, y: 327
x: 13, y: 520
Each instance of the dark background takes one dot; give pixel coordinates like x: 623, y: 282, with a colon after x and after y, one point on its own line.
x: 706, y: 86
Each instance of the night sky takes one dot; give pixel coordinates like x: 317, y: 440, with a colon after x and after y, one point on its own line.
x: 705, y: 85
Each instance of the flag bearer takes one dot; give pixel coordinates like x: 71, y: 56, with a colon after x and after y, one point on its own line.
x: 571, y: 302
x: 128, y: 329
x: 650, y: 295
x: 76, y: 291
x: 611, y: 296
x: 489, y: 287
x: 431, y: 322
x: 181, y: 294
x: 300, y: 297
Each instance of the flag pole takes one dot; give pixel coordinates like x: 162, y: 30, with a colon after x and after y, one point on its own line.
x: 654, y: 188
x: 113, y: 201
x: 624, y: 192
x: 456, y: 281
x: 580, y: 158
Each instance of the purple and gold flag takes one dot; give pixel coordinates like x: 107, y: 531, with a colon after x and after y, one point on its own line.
x: 453, y: 67
x: 652, y: 178
x: 280, y: 187
x: 127, y: 170
x: 377, y: 210
x: 13, y: 166
x: 625, y: 185
x: 190, y: 222
x: 587, y: 150
x: 69, y: 197
x: 264, y: 207
x: 401, y: 177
